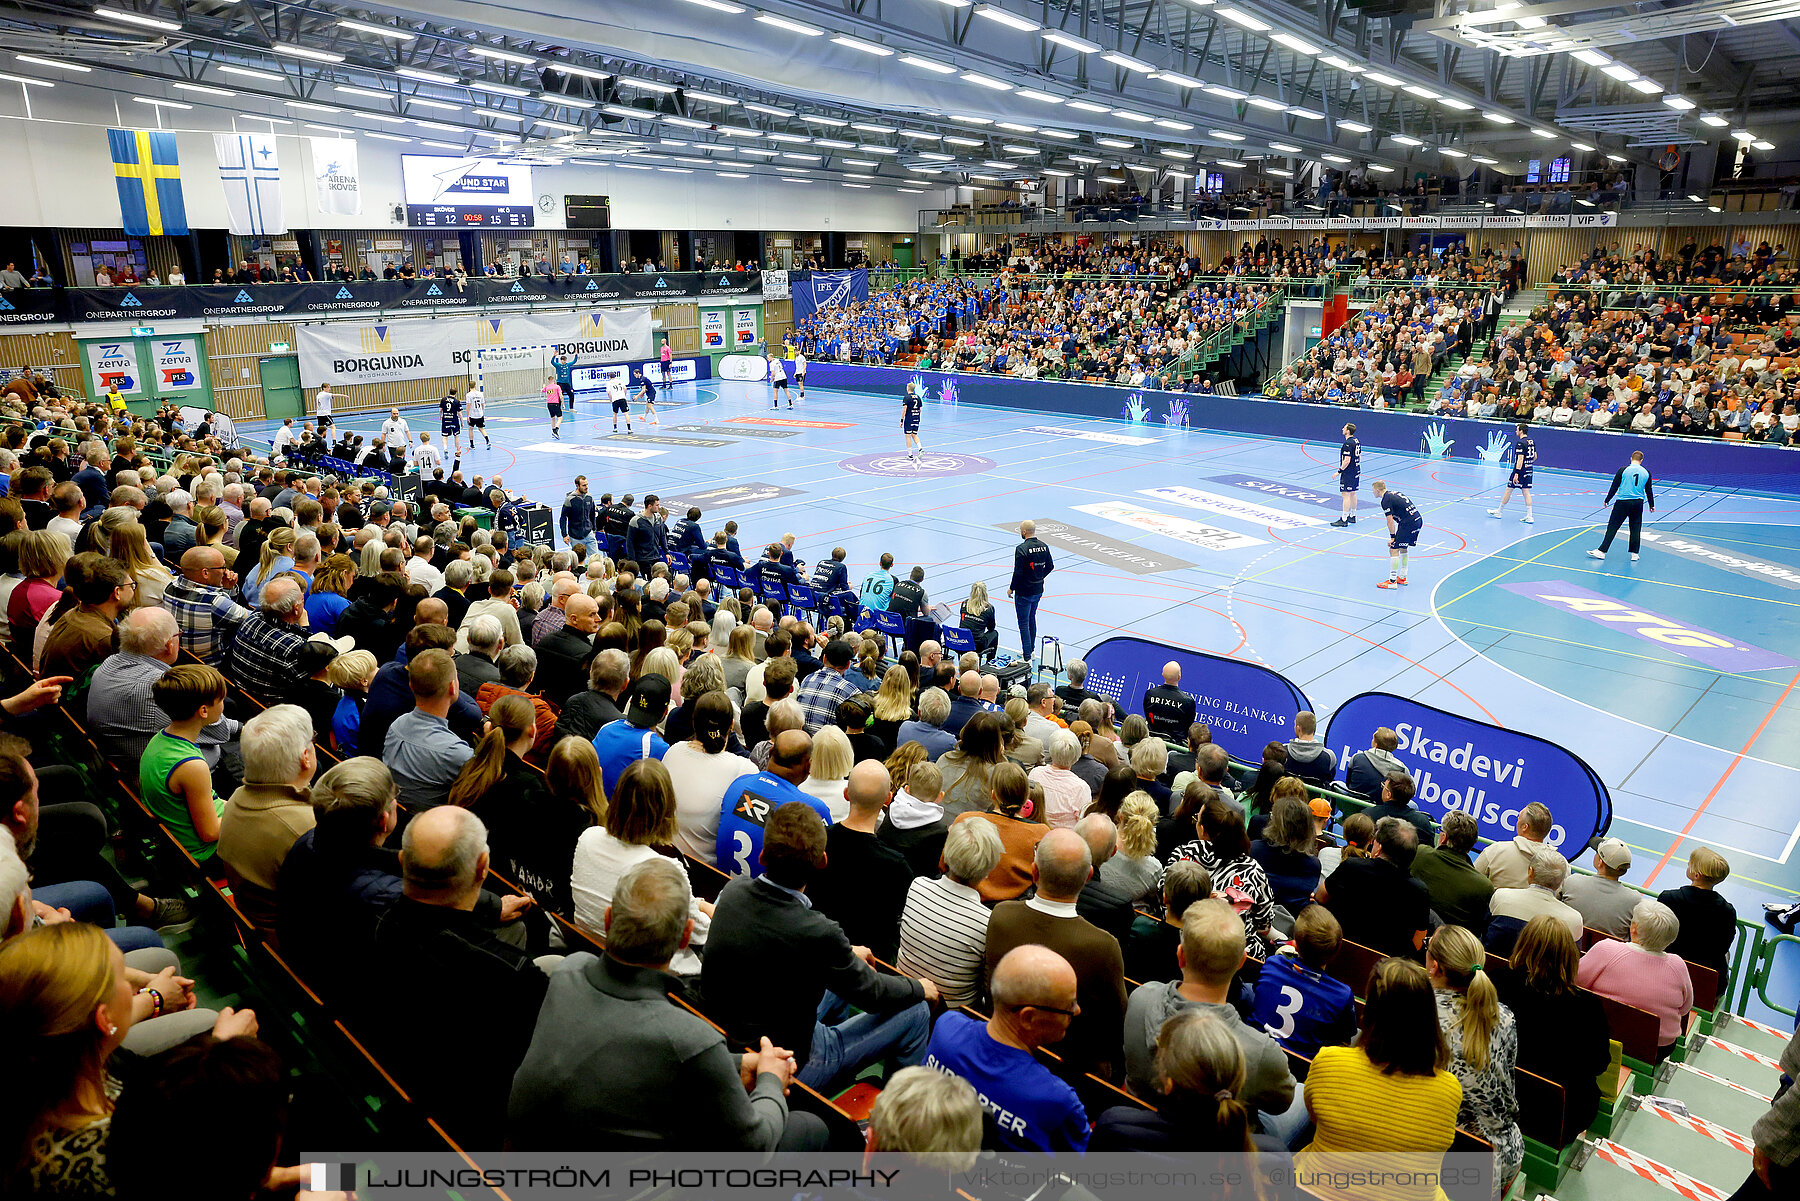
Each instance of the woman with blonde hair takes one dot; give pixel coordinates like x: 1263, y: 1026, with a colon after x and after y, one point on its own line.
x: 277, y: 557
x: 978, y: 619
x: 740, y: 656
x: 1021, y: 748
x: 1562, y: 1028
x: 42, y: 556
x: 662, y: 662
x: 330, y: 594
x: 900, y: 764
x: 131, y: 547
x: 705, y: 674
x: 1483, y: 1042
x: 893, y: 704
x: 681, y: 641
x: 211, y: 527
x: 1135, y: 872
x: 1016, y: 819
x: 67, y: 1002
x: 832, y: 759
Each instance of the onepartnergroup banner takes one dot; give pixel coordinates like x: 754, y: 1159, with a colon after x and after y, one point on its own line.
x: 988, y: 1176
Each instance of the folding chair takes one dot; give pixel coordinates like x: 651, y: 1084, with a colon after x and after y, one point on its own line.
x: 958, y: 640
x: 802, y: 597
x: 679, y: 562
x: 727, y: 576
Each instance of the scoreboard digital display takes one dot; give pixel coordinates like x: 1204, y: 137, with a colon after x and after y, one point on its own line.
x: 445, y: 192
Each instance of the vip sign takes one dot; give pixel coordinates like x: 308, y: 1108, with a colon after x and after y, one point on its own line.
x: 113, y: 364
x: 177, y: 364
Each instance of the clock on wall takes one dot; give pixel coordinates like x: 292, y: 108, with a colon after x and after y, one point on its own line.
x: 546, y: 202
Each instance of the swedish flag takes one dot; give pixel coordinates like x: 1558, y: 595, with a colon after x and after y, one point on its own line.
x: 148, y: 175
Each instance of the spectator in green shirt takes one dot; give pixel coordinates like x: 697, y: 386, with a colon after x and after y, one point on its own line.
x: 172, y: 774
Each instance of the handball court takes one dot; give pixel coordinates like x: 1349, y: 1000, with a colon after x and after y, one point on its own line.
x: 1688, y: 709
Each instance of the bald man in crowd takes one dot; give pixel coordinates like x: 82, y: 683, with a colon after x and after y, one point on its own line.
x: 966, y: 703
x: 551, y: 617
x: 1061, y: 868
x: 1035, y: 1002
x: 1168, y: 709
x: 864, y: 884
x: 564, y: 655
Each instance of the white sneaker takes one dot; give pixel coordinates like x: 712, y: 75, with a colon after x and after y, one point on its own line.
x: 1634, y: 558
x: 1528, y: 519
x: 1493, y: 512
x: 1596, y: 554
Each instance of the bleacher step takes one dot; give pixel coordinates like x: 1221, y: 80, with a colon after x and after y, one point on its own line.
x: 1752, y: 1035
x: 1611, y: 1172
x: 1734, y: 1062
x: 1667, y: 1130
x: 1731, y: 1105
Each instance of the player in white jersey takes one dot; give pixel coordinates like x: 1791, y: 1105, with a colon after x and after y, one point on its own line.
x: 322, y: 408
x: 427, y: 458
x: 619, y: 393
x: 395, y: 432
x: 800, y: 371
x: 475, y: 402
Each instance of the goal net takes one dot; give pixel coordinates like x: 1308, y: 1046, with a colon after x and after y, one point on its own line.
x: 512, y: 372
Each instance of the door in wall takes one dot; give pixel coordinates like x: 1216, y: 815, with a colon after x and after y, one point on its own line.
x: 282, y: 394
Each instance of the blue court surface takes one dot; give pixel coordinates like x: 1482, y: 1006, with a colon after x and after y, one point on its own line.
x: 1674, y: 677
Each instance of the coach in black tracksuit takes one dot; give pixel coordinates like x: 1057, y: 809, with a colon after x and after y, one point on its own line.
x: 1032, y: 565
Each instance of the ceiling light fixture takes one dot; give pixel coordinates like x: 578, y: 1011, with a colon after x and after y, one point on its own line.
x: 926, y: 64
x: 1071, y: 42
x: 247, y: 73
x: 1012, y: 20
x: 1714, y: 120
x: 1116, y: 143
x: 850, y: 43
x: 1342, y: 64
x: 779, y: 22
x: 380, y: 31
x: 1244, y: 19
x: 1297, y: 45
x: 1335, y: 158
x: 1265, y: 102
x: 505, y: 56
x: 1497, y: 118
x: 1355, y: 126
x: 203, y: 89
x: 1648, y: 87
x: 427, y: 76
x: 1485, y: 161
x: 308, y: 106
x: 115, y: 14
x: 318, y: 56
x: 1421, y: 92
x: 1040, y: 97
x: 1128, y: 62
x: 1461, y: 106
x: 1619, y: 71
x: 1384, y: 80
x: 766, y: 109
x: 986, y: 81
x: 1582, y: 146
x: 1222, y: 92
x: 50, y: 62
x: 1679, y: 103
x: 1406, y: 140
x: 720, y: 6
x: 1177, y: 126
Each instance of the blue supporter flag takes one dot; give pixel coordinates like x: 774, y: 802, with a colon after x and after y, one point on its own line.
x: 148, y: 175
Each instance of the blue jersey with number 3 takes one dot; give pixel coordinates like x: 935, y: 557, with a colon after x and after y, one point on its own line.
x: 745, y: 812
x: 1301, y: 1009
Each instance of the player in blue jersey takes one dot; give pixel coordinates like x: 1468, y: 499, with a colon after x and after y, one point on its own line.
x: 564, y: 366
x: 648, y: 395
x: 1524, y: 459
x: 450, y: 416
x: 1297, y: 1004
x: 1349, y: 473
x: 751, y: 800
x: 1404, y: 524
x: 911, y: 405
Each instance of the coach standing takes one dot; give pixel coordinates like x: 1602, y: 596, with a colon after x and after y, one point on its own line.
x: 1032, y: 565
x: 1631, y: 485
x: 579, y: 515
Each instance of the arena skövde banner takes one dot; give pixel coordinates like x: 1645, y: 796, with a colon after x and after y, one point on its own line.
x: 1487, y: 771
x: 381, y: 352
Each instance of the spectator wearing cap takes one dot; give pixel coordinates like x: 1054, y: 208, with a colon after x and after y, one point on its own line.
x: 1459, y: 893
x: 634, y: 736
x: 821, y: 693
x: 1603, y: 899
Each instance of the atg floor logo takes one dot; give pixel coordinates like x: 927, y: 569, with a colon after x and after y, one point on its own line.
x: 900, y: 466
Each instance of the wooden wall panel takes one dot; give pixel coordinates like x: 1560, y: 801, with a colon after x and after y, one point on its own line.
x: 54, y: 353
x: 231, y: 350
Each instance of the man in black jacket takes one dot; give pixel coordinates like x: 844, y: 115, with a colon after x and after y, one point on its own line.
x: 609, y: 674
x: 1032, y: 565
x: 565, y: 652
x: 771, y: 959
x: 1168, y: 709
x: 430, y: 943
x: 579, y: 514
x: 646, y: 539
x: 863, y: 887
x: 614, y: 516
